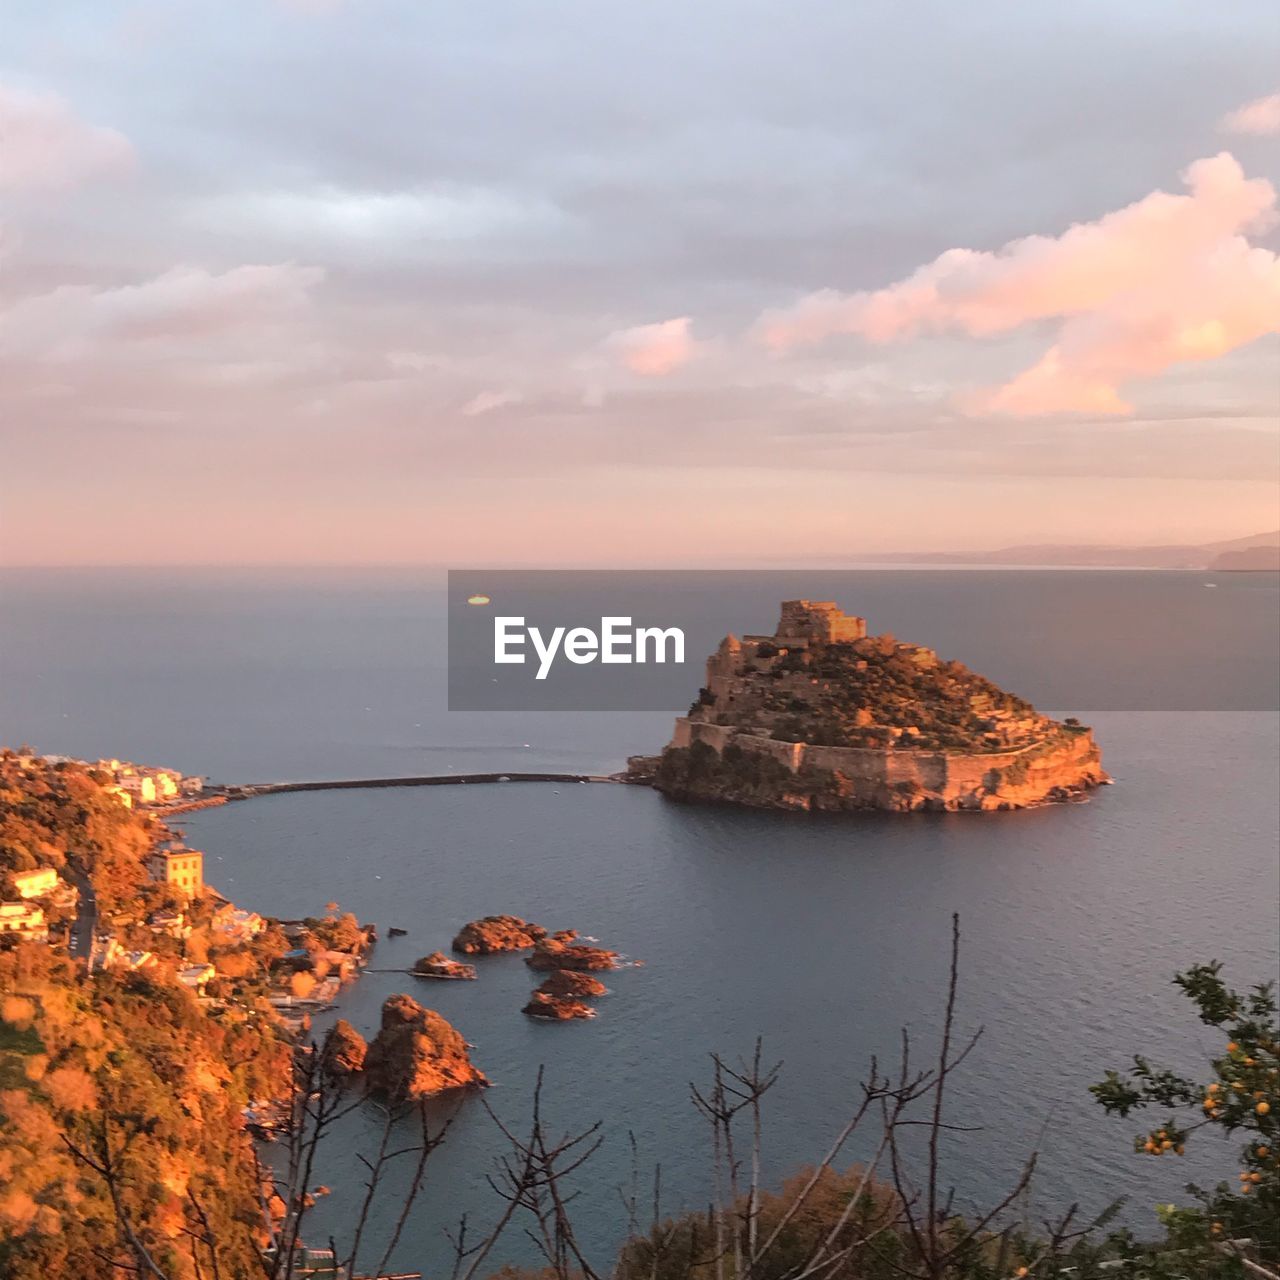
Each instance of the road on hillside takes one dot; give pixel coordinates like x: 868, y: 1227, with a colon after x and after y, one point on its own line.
x: 86, y: 922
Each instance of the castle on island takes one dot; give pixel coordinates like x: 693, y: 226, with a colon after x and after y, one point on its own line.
x: 822, y: 714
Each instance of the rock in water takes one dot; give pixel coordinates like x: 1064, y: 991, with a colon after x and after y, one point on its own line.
x: 497, y: 933
x: 551, y: 953
x: 821, y: 715
x: 438, y: 965
x: 557, y: 1008
x: 564, y: 982
x: 416, y: 1053
x: 344, y: 1050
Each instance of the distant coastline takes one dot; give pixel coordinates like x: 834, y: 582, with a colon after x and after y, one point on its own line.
x: 1255, y: 553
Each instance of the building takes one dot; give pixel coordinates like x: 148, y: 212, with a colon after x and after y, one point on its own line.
x: 116, y: 957
x: 25, y: 919
x: 181, y: 869
x: 39, y: 883
x: 166, y: 783
x: 140, y: 787
x: 235, y: 922
x: 196, y: 976
x: 125, y: 797
x: 171, y: 922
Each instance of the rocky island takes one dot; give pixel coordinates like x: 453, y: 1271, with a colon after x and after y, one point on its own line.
x: 415, y: 1054
x: 557, y: 1008
x: 493, y: 934
x: 438, y: 965
x: 820, y: 715
x: 565, y: 982
x: 560, y: 952
x: 563, y: 994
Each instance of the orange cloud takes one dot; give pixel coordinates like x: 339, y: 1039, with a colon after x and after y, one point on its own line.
x: 655, y: 350
x: 1261, y: 116
x: 48, y: 147
x: 1167, y: 279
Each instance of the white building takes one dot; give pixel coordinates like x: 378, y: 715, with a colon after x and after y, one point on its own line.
x: 25, y: 919
x: 39, y: 883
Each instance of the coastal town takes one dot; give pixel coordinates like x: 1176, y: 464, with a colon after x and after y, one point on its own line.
x: 121, y: 906
x: 193, y: 934
x: 152, y: 924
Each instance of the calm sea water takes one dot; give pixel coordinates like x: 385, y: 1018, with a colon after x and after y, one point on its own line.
x: 823, y: 935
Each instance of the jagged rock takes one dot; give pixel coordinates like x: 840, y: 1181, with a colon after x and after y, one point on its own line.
x: 557, y: 1008
x: 552, y: 954
x: 565, y: 982
x: 438, y: 965
x: 344, y: 1050
x: 497, y: 933
x: 417, y: 1053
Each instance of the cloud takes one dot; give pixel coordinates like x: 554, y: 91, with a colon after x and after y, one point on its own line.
x: 449, y: 213
x: 655, y: 350
x: 1167, y: 279
x: 488, y: 401
x: 185, y: 302
x: 1261, y: 116
x: 46, y: 146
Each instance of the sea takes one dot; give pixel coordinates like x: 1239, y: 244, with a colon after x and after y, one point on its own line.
x: 821, y: 936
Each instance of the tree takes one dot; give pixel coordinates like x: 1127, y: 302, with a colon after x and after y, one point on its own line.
x: 1230, y: 1230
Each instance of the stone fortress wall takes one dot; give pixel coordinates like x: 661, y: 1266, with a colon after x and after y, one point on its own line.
x: 875, y: 773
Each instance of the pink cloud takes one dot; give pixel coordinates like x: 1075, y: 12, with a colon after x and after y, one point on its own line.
x: 655, y: 350
x: 1167, y: 279
x: 1261, y: 116
x: 46, y: 146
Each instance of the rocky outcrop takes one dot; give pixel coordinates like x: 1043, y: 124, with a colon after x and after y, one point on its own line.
x: 565, y: 982
x: 551, y: 953
x: 493, y: 934
x: 344, y: 1050
x: 416, y: 1054
x: 557, y: 1008
x: 822, y: 716
x: 439, y: 965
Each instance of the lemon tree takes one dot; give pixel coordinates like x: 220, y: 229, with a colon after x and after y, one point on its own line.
x: 1239, y: 1219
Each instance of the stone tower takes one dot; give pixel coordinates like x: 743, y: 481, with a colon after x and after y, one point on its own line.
x: 818, y: 620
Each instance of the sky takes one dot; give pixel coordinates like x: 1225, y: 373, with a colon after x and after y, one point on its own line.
x: 734, y: 282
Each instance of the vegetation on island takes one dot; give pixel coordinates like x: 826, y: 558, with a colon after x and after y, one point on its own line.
x: 877, y: 692
x: 748, y: 776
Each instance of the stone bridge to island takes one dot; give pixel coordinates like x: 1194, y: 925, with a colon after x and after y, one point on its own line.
x: 246, y: 791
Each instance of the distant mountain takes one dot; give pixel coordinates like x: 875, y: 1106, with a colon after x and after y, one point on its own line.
x: 1255, y: 557
x: 1261, y: 551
